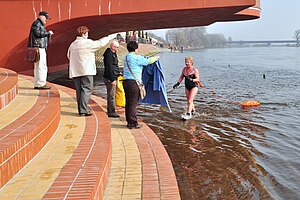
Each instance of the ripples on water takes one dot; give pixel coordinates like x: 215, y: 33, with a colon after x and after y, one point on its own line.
x: 229, y: 152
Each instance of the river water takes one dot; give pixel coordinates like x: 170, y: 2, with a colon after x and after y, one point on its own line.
x: 230, y: 152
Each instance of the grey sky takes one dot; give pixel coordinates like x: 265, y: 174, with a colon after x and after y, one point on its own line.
x: 279, y: 20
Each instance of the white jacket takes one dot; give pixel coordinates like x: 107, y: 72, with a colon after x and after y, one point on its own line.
x: 81, y: 55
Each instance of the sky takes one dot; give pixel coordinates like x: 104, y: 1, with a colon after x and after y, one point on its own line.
x: 279, y: 20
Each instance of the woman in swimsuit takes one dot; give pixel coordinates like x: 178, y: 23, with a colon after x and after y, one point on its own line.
x: 191, y: 75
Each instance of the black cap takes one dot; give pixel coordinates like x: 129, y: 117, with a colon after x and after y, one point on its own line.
x: 43, y: 13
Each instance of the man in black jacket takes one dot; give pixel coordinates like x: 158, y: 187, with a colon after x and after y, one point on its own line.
x: 111, y: 73
x: 38, y: 37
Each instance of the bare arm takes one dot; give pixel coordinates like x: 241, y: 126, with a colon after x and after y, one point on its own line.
x: 197, y: 79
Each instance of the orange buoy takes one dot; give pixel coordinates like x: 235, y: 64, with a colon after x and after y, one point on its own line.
x: 250, y: 103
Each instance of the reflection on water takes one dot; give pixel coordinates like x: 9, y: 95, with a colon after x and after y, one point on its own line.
x: 229, y: 152
x: 211, y: 154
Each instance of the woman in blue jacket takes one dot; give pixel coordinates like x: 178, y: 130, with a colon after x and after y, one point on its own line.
x: 136, y: 63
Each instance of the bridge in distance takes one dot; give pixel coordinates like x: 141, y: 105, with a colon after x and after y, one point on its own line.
x: 268, y: 42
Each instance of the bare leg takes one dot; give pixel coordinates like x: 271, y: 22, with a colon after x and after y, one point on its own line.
x: 190, y: 95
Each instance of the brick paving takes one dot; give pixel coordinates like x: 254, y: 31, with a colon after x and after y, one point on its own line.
x: 88, y: 157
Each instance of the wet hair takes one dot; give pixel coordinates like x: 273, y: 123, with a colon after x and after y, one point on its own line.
x: 189, y: 58
x: 132, y: 46
x: 82, y: 30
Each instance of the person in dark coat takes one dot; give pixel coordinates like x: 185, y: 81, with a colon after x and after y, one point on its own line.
x: 38, y: 38
x: 111, y: 73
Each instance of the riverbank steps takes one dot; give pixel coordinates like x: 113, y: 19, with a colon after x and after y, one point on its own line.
x: 48, y: 151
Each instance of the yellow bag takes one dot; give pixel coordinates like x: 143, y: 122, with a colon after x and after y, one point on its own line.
x: 120, y: 94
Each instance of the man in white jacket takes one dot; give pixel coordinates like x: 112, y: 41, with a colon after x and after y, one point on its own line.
x: 82, y: 66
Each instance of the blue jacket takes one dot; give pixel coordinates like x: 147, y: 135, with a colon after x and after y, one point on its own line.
x: 154, y: 81
x: 136, y: 63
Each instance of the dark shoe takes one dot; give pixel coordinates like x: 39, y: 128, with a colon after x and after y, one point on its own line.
x: 134, y: 126
x: 138, y: 126
x: 114, y: 115
x: 85, y: 114
x: 45, y: 87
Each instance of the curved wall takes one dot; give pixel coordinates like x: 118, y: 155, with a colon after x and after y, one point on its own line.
x: 103, y: 17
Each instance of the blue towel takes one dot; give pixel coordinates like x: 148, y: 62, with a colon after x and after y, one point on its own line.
x: 154, y: 81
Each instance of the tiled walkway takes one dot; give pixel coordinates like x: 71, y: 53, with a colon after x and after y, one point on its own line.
x: 139, y: 166
x: 36, y: 177
x: 125, y: 179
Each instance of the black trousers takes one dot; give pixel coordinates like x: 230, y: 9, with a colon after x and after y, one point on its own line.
x: 132, y: 98
x: 111, y: 96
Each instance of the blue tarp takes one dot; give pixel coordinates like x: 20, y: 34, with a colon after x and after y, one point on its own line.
x: 154, y: 81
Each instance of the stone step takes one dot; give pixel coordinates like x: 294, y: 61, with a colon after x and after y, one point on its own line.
x: 29, y: 121
x: 70, y: 164
x: 89, y: 157
x: 8, y: 86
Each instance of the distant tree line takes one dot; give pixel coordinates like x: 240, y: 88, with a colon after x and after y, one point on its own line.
x: 194, y: 37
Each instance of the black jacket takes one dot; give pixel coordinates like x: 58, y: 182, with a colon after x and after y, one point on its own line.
x: 111, y: 68
x: 38, y: 36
